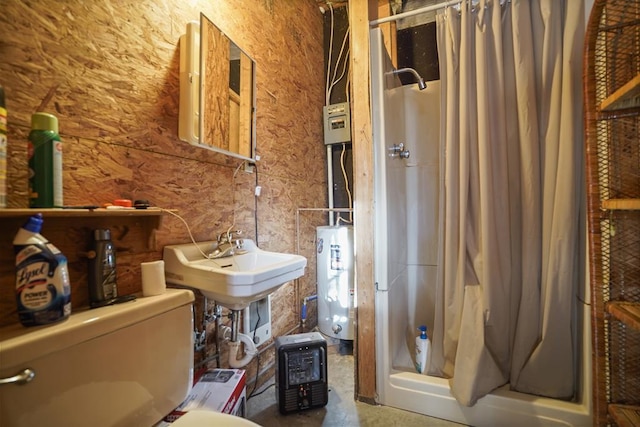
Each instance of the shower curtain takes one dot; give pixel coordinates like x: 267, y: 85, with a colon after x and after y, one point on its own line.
x: 511, y: 231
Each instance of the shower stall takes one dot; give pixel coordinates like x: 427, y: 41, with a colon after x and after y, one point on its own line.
x: 407, y: 200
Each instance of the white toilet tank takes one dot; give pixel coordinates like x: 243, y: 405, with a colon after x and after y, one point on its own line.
x: 123, y: 365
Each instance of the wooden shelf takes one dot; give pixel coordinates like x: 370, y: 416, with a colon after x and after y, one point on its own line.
x: 13, y: 213
x: 628, y: 96
x: 625, y: 415
x: 626, y: 312
x: 621, y: 204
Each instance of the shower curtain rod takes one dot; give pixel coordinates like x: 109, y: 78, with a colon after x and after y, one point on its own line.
x: 415, y: 12
x: 425, y: 9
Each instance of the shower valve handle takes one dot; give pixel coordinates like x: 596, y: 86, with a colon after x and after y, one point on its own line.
x: 397, y: 150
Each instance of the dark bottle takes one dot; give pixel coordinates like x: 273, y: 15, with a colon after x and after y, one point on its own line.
x: 3, y: 151
x: 102, y: 269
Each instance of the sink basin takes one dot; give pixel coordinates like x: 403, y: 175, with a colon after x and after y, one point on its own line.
x: 235, y: 281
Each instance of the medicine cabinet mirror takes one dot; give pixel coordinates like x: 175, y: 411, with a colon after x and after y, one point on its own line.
x: 217, y: 92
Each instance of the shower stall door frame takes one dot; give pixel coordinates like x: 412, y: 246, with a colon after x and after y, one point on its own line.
x: 402, y: 388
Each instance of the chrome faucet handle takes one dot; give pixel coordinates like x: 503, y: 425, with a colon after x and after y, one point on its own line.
x: 229, y: 244
x: 227, y: 236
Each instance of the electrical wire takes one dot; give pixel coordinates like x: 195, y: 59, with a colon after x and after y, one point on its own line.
x: 233, y: 204
x: 326, y: 87
x: 255, y: 204
x: 209, y: 256
x: 347, y: 84
x: 338, y: 60
x: 255, y: 382
x: 255, y: 330
x: 346, y: 187
x: 186, y: 225
x: 261, y: 391
x: 344, y: 69
x: 233, y: 184
x: 233, y: 222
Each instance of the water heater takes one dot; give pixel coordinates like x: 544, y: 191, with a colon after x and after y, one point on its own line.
x: 335, y: 277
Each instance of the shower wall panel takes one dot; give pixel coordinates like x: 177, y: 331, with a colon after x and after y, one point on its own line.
x: 422, y: 181
x: 408, y: 204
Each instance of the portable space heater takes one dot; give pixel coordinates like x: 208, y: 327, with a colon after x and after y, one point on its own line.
x: 301, y: 372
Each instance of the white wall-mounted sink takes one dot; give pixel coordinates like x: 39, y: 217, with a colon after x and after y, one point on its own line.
x: 235, y: 281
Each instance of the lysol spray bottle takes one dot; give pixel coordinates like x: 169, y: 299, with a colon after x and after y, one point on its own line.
x: 3, y: 151
x: 43, y: 292
x: 45, y: 162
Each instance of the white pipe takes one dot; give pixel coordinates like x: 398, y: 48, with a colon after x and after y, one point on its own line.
x: 249, y: 349
x: 330, y: 180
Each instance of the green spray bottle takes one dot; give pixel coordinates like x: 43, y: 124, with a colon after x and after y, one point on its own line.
x: 45, y: 162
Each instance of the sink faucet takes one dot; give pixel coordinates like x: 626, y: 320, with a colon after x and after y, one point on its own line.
x: 229, y: 244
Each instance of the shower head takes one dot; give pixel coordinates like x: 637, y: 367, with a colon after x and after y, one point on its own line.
x: 421, y: 84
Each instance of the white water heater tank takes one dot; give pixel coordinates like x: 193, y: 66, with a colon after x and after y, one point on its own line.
x: 335, y: 276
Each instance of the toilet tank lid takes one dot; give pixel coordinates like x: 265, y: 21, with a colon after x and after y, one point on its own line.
x: 19, y: 345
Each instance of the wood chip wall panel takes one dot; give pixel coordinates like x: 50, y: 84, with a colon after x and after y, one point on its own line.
x: 109, y: 71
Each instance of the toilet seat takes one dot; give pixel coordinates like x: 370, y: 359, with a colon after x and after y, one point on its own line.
x: 198, y: 418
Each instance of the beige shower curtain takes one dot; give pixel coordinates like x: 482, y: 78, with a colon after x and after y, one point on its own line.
x: 509, y: 266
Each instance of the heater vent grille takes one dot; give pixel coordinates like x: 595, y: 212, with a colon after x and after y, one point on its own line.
x: 319, y: 393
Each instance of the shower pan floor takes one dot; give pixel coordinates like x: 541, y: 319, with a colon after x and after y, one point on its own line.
x: 342, y: 410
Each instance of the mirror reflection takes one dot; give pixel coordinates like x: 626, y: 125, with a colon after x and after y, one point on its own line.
x: 227, y: 94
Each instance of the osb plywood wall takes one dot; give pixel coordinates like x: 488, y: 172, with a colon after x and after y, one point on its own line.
x: 109, y: 71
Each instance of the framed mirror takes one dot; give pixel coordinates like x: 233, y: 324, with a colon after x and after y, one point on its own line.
x: 217, y: 92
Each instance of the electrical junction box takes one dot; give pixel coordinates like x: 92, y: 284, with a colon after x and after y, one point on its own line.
x: 301, y: 372
x: 337, y: 123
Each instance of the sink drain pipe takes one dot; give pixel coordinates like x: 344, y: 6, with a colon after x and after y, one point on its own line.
x: 250, y: 349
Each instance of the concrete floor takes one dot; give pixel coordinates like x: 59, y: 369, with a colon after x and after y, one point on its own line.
x: 342, y: 410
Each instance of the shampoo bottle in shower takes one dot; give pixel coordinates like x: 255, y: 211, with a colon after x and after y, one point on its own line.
x: 422, y: 350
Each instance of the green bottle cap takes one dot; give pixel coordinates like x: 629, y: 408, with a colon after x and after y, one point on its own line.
x: 44, y: 121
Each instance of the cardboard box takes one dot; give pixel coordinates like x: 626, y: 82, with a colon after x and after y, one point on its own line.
x: 219, y: 390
